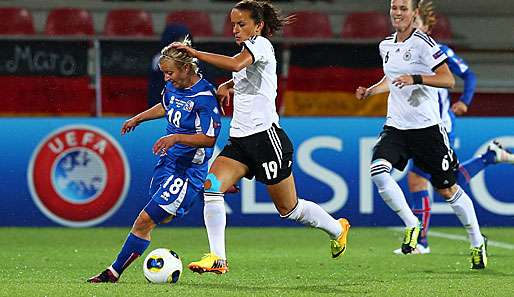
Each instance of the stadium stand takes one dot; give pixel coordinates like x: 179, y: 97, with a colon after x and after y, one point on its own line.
x: 366, y: 25
x: 128, y: 22
x: 310, y: 24
x: 198, y: 22
x: 69, y: 21
x: 16, y: 21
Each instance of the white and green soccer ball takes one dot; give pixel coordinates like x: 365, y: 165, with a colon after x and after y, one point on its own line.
x: 162, y: 266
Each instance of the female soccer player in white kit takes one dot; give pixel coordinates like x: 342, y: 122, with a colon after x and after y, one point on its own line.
x: 414, y: 67
x: 257, y: 145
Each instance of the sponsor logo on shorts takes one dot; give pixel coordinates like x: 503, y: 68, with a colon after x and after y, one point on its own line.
x: 78, y: 176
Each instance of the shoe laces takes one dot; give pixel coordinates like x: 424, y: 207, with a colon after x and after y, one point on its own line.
x: 408, y: 236
x: 476, y: 255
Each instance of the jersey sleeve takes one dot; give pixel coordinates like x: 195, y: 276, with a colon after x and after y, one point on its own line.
x: 208, y: 119
x: 431, y: 54
x: 258, y: 48
x: 459, y: 67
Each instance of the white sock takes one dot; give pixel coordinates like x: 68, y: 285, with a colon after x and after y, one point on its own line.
x: 463, y: 208
x: 311, y: 214
x: 393, y: 196
x: 215, y: 220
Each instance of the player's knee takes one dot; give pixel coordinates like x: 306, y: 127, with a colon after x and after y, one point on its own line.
x: 416, y: 183
x: 143, y: 224
x: 380, y: 172
x: 448, y: 192
x: 212, y: 184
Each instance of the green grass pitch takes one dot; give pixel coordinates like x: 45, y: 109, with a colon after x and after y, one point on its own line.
x: 262, y: 261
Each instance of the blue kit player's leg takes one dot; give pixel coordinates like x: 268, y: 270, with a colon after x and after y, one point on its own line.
x: 172, y: 196
x: 421, y: 204
x: 495, y: 154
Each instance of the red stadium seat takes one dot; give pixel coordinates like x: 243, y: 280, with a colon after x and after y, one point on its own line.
x: 69, y: 21
x: 309, y: 24
x: 16, y: 21
x: 128, y: 22
x: 198, y: 22
x: 364, y: 25
x: 227, y: 27
x: 442, y: 29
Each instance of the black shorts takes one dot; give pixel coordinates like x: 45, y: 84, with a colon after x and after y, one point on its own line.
x: 268, y: 154
x: 429, y: 148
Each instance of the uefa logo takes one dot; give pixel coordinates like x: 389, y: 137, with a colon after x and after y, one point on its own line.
x: 78, y: 176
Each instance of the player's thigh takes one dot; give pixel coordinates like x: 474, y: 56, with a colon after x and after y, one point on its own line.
x: 391, y: 146
x: 175, y: 195
x: 432, y: 153
x: 224, y: 172
x: 283, y: 195
x: 272, y: 156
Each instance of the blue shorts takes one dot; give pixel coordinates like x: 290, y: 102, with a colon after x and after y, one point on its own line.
x: 171, y: 193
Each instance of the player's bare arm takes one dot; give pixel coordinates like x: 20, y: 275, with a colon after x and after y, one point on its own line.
x: 155, y: 112
x: 443, y: 78
x: 223, y: 93
x: 194, y: 140
x: 234, y: 64
x: 380, y: 87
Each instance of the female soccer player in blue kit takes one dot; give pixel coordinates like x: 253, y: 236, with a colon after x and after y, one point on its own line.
x: 417, y: 178
x: 191, y: 110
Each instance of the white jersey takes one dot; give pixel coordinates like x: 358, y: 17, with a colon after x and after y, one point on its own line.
x: 416, y: 106
x: 255, y: 90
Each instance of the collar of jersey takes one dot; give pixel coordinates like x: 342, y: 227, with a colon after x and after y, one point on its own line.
x: 410, y: 35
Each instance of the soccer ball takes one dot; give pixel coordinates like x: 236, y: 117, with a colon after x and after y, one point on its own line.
x: 162, y: 266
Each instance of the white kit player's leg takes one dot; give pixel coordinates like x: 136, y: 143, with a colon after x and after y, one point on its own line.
x: 215, y: 222
x: 463, y: 208
x: 310, y: 214
x: 391, y: 192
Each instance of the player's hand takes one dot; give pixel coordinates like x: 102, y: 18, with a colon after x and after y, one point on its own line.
x: 459, y: 108
x: 223, y: 94
x: 129, y: 125
x: 362, y: 93
x: 184, y: 48
x: 162, y: 145
x: 404, y: 80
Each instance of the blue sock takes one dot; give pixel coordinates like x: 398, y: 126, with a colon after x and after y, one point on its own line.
x: 473, y: 166
x: 421, y: 206
x: 131, y: 250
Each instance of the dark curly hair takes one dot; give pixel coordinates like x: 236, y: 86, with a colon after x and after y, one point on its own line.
x: 264, y: 11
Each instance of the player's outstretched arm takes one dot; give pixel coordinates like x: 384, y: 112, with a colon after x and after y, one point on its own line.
x: 162, y: 145
x: 234, y: 64
x: 380, y: 87
x: 157, y: 111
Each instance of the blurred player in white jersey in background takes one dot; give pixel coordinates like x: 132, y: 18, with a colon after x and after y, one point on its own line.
x: 415, y: 67
x: 420, y: 200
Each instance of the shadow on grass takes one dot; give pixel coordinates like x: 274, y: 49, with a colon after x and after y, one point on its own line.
x: 283, y: 289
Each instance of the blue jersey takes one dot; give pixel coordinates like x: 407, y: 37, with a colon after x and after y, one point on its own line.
x: 190, y: 111
x: 458, y: 67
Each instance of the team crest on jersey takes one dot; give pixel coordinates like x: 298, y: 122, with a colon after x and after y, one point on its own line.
x: 78, y: 176
x: 189, y: 105
x: 407, y: 56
